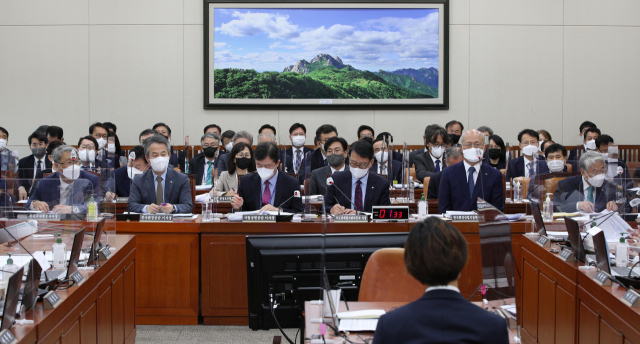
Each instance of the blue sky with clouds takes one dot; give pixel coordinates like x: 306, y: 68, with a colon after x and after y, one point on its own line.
x: 367, y: 39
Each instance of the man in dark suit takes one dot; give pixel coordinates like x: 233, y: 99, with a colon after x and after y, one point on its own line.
x: 87, y: 148
x: 121, y: 178
x: 529, y: 163
x: 556, y: 157
x: 415, y: 153
x: 268, y: 189
x: 28, y: 167
x: 574, y: 154
x: 433, y: 161
x: 241, y: 136
x: 364, y: 189
x: 336, y: 148
x: 381, y: 165
x: 203, y: 165
x: 68, y: 189
x: 589, y: 136
x: 318, y: 157
x: 101, y: 134
x: 293, y: 157
x: 462, y: 184
x: 616, y: 167
x: 442, y: 314
x: 160, y: 189
x: 454, y: 156
x: 588, y: 192
x: 397, y: 156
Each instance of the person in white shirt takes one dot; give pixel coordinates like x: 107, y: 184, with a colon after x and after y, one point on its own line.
x: 337, y: 150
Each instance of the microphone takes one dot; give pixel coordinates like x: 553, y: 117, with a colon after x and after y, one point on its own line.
x: 296, y: 194
x: 620, y: 170
x: 329, y: 183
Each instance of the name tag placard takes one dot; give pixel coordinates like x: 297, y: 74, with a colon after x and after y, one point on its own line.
x: 464, y: 217
x: 223, y: 199
x: 544, y: 241
x: 122, y: 199
x: 631, y: 299
x: 351, y: 218
x: 567, y: 255
x: 156, y: 217
x: 602, y: 278
x: 77, y: 278
x: 258, y: 218
x: 104, y: 253
x: 51, y: 300
x: 45, y: 216
x: 7, y: 337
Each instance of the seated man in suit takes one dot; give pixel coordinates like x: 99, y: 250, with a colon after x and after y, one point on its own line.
x: 454, y: 156
x: 203, y: 165
x: 87, y: 148
x: 318, y: 157
x: 381, y: 164
x: 68, y: 189
x: 441, y: 315
x: 337, y: 150
x: 241, y: 136
x: 364, y: 189
x: 50, y: 148
x: 268, y: 189
x: 227, y: 140
x: 101, y: 134
x: 616, y: 167
x: 55, y: 133
x: 415, y: 153
x: 574, y: 154
x: 122, y: 178
x: 529, y: 162
x: 294, y: 156
x: 454, y: 130
x: 160, y: 189
x: 588, y: 192
x: 29, y: 166
x: 432, y: 161
x: 463, y: 183
x: 556, y: 158
x: 8, y: 158
x: 588, y: 144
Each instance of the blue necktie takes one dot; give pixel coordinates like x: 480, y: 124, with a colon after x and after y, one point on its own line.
x: 471, y: 184
x: 438, y: 165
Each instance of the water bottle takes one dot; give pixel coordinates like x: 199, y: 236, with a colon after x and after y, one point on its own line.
x: 9, y: 269
x: 59, y: 250
x: 622, y: 252
x: 517, y: 192
x: 423, y: 208
x: 412, y: 191
x: 92, y: 209
x: 547, y: 209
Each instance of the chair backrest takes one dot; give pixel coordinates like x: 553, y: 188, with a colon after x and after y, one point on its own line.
x: 551, y: 184
x: 525, y: 185
x: 569, y: 167
x: 412, y: 172
x: 385, y: 278
x: 192, y: 186
x: 426, y: 185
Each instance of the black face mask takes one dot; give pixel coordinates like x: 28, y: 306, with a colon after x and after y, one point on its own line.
x: 243, y: 163
x: 454, y: 138
x: 210, y: 152
x: 494, y: 153
x: 369, y: 140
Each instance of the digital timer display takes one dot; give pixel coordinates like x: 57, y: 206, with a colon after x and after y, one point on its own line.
x: 390, y: 213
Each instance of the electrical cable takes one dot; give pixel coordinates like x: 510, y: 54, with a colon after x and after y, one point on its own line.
x: 273, y: 313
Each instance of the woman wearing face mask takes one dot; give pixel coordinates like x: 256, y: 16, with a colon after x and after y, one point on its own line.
x: 241, y: 162
x: 123, y: 177
x: 496, y: 153
x: 114, y: 151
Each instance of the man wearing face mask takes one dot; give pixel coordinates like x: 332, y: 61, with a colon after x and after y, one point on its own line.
x: 381, y: 164
x: 28, y: 167
x: 364, y: 189
x: 556, y: 158
x: 294, y: 160
x: 454, y: 130
x: 87, y: 154
x: 574, y: 154
x: 123, y: 177
x: 433, y: 160
x: 589, y: 136
x: 227, y: 140
x: 68, y: 189
x: 318, y: 157
x: 463, y: 183
x: 425, y: 150
x: 336, y: 148
x: 8, y: 158
x: 616, y: 168
x: 268, y: 189
x: 204, y: 165
x: 100, y: 132
x: 164, y: 130
x: 529, y: 163
x: 454, y: 156
x: 588, y: 192
x: 160, y: 189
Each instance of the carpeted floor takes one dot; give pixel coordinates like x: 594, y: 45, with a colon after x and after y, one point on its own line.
x: 207, y: 334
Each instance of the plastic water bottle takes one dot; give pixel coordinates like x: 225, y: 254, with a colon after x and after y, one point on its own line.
x: 412, y: 191
x: 547, y: 209
x: 423, y: 208
x: 517, y: 192
x: 92, y: 209
x: 59, y: 250
x: 622, y: 252
x: 9, y: 269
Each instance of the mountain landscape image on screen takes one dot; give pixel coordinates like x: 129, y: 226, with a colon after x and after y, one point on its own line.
x: 325, y: 77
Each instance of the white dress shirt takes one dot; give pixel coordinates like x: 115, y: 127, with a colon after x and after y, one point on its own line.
x: 585, y: 192
x: 475, y: 173
x: 333, y: 170
x: 445, y: 287
x: 42, y: 164
x: 433, y: 158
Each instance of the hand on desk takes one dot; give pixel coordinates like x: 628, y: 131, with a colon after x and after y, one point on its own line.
x: 167, y: 208
x: 339, y: 210
x: 268, y: 207
x: 40, y: 206
x: 61, y: 209
x: 237, y: 202
x: 612, y: 206
x: 586, y: 206
x: 153, y: 209
x: 110, y: 196
x: 22, y: 193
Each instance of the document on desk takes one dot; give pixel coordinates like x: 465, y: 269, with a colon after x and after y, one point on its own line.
x: 203, y: 187
x: 355, y: 325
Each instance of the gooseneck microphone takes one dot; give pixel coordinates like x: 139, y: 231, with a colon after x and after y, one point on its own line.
x: 296, y: 194
x: 330, y: 182
x: 132, y: 158
x: 24, y: 248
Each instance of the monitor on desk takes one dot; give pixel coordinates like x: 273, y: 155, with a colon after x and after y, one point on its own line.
x: 12, y: 299
x: 577, y: 245
x: 93, y: 252
x: 602, y: 252
x: 31, y: 285
x: 537, y: 217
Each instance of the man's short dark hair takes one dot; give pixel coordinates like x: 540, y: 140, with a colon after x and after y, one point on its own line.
x: 110, y: 126
x: 362, y: 148
x: 98, y: 125
x: 267, y: 126
x: 56, y: 132
x: 435, y: 252
x: 228, y: 134
x: 139, y: 153
x: 331, y: 140
x: 53, y: 145
x: 162, y: 125
x: 446, y: 126
x: 592, y: 130
x: 325, y: 129
x: 587, y: 124
x: 38, y: 135
x: 6, y: 132
x: 213, y: 126
x: 554, y: 148
x: 267, y: 150
x: 295, y: 126
x: 145, y: 133
x: 43, y: 129
x: 90, y: 138
x: 604, y: 140
x: 434, y: 131
x: 366, y: 127
x: 529, y: 132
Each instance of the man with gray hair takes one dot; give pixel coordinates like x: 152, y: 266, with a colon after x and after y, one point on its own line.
x: 240, y: 136
x: 203, y: 165
x: 160, y: 189
x: 453, y: 156
x: 486, y: 130
x: 266, y: 136
x: 68, y: 189
x: 587, y: 192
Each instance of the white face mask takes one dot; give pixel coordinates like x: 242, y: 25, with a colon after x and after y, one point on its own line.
x: 71, y: 172
x: 591, y: 145
x: 228, y: 146
x: 87, y: 155
x: 437, y: 151
x: 529, y: 150
x: 111, y: 148
x: 265, y: 173
x: 3, y: 144
x: 597, y: 180
x: 101, y: 143
x: 132, y: 172
x: 298, y: 141
x: 382, y: 158
x: 359, y: 173
x: 472, y: 154
x: 556, y: 165
x: 160, y: 163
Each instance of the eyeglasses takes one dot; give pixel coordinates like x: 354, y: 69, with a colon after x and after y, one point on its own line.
x: 472, y: 145
x: 362, y: 136
x: 597, y: 172
x: 361, y: 165
x: 435, y: 145
x: 68, y: 163
x: 335, y: 151
x: 98, y: 136
x: 243, y: 155
x: 207, y: 145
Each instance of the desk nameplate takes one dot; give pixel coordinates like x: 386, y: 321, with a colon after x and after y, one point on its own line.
x: 465, y: 218
x: 77, y: 278
x: 258, y: 218
x: 544, y: 241
x: 223, y: 199
x: 631, y: 298
x: 351, y: 218
x: 602, y: 278
x: 104, y: 253
x: 7, y: 337
x: 156, y: 217
x: 45, y: 216
x: 567, y: 255
x: 51, y: 300
x: 122, y: 199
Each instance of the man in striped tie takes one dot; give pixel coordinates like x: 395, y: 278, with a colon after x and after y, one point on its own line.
x: 293, y: 158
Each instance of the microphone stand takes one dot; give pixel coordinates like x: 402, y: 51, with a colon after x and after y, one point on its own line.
x: 330, y: 183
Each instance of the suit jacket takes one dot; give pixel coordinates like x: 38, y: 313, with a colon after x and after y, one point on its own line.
x: 536, y: 190
x: 397, y: 170
x: 176, y: 191
x: 286, y: 158
x: 317, y: 160
x: 286, y: 185
x: 377, y: 192
x: 319, y: 180
x: 413, y: 155
x: 226, y: 182
x: 425, y: 167
x: 25, y: 170
x: 434, y: 185
x: 441, y: 316
x: 454, y: 190
x: 48, y: 190
x: 223, y: 162
x: 121, y: 183
x: 516, y: 167
x: 570, y: 191
x: 574, y: 157
x: 196, y: 166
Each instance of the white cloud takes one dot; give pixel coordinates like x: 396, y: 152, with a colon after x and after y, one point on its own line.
x: 275, y: 45
x: 219, y: 44
x: 251, y: 24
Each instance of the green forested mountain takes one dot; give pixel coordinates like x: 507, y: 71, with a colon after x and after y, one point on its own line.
x: 408, y: 82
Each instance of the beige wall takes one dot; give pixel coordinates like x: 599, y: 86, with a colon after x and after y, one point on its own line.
x: 527, y: 63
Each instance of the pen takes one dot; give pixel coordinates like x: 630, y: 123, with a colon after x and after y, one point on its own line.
x: 163, y: 204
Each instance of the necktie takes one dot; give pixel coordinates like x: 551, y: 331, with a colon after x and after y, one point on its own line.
x: 358, y: 201
x: 266, y: 196
x: 590, y: 194
x: 529, y: 168
x: 159, y: 192
x: 438, y: 165
x: 64, y: 195
x: 471, y: 183
x: 298, y: 161
x: 209, y: 172
x: 39, y: 168
x: 326, y: 163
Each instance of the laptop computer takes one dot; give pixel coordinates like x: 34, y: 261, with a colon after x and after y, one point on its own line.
x: 11, y: 300
x: 537, y: 217
x: 603, y: 262
x: 93, y: 251
x: 577, y: 244
x: 74, y: 260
